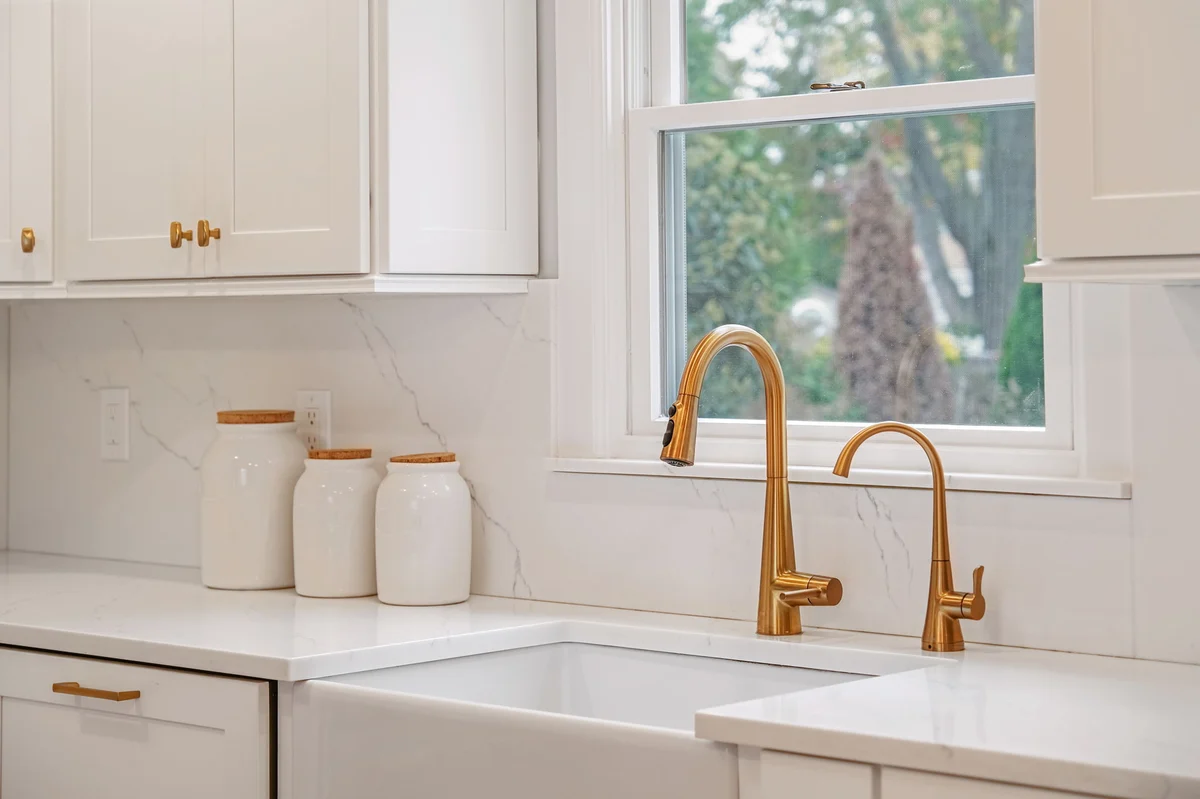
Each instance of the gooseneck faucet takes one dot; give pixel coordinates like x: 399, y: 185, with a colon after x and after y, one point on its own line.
x: 781, y: 589
x: 942, y: 632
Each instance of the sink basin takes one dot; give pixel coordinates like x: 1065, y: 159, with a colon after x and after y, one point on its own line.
x: 556, y: 720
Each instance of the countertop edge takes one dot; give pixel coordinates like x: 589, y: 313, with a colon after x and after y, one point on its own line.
x: 1006, y: 767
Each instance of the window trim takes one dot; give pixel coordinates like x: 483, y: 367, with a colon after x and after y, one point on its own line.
x: 604, y: 90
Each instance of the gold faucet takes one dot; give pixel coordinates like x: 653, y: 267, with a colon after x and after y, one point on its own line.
x: 781, y: 589
x: 946, y: 606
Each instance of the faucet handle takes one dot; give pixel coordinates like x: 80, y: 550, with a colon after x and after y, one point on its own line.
x: 799, y: 588
x: 973, y: 604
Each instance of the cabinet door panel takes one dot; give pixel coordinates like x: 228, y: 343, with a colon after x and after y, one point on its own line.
x: 26, y: 175
x: 188, y: 735
x: 461, y: 101
x: 287, y: 98
x: 1118, y: 172
x: 130, y: 135
x: 899, y: 783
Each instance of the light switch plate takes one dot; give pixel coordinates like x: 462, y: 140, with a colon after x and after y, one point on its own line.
x: 314, y: 417
x: 114, y: 424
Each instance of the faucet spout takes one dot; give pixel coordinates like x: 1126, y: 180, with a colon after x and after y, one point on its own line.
x: 782, y: 590
x: 942, y: 632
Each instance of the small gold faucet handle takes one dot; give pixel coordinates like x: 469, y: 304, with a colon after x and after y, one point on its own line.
x: 973, y: 604
x: 797, y: 588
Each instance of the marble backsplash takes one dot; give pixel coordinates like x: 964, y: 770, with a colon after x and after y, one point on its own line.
x: 473, y: 375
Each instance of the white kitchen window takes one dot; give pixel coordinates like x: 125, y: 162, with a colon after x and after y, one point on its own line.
x: 876, y: 237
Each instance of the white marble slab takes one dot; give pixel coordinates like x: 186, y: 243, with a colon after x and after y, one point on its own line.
x: 1108, y: 726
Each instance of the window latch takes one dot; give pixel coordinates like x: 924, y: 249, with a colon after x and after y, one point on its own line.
x: 849, y: 85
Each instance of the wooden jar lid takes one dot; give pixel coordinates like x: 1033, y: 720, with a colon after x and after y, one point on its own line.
x: 426, y: 457
x: 339, y: 454
x: 255, y: 417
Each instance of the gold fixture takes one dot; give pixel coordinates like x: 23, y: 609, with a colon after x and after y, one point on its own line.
x: 781, y: 589
x: 28, y: 240
x: 204, y: 231
x: 74, y: 689
x: 946, y: 606
x: 178, y: 234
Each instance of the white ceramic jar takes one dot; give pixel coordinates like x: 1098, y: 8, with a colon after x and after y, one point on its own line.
x: 423, y: 532
x: 248, y: 475
x: 334, y: 524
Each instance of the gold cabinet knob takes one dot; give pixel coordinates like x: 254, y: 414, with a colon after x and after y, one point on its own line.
x: 205, y: 231
x: 28, y: 240
x: 178, y: 235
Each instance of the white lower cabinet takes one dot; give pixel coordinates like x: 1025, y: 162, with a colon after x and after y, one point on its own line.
x: 776, y: 775
x: 186, y: 735
x: 899, y: 783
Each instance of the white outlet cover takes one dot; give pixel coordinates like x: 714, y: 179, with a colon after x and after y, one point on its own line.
x: 314, y: 417
x: 114, y: 424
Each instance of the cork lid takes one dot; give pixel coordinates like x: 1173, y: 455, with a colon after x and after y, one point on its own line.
x: 339, y: 454
x: 426, y: 457
x: 255, y: 417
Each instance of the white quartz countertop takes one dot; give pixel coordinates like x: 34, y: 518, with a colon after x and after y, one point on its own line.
x: 1105, y: 726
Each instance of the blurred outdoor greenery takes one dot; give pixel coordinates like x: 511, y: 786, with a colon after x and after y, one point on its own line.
x: 900, y: 296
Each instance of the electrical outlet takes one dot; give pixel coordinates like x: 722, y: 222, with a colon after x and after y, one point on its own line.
x: 314, y: 417
x: 114, y: 424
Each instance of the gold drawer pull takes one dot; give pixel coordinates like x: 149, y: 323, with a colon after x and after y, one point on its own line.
x: 74, y: 689
x: 28, y: 240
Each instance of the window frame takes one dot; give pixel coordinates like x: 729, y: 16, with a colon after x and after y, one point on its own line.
x: 608, y: 387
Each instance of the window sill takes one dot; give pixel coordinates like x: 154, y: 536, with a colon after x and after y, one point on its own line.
x: 873, y: 478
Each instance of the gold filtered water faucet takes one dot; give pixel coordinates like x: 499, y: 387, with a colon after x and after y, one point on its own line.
x: 942, y: 632
x: 781, y: 589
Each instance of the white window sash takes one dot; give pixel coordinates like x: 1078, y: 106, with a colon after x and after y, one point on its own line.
x: 608, y: 390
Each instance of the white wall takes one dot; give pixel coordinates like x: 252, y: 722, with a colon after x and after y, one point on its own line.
x: 474, y: 375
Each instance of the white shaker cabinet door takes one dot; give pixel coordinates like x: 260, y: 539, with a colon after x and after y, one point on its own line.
x: 26, y: 151
x: 459, y: 96
x: 188, y: 736
x: 130, y: 136
x: 286, y: 98
x: 1118, y: 166
x: 763, y: 774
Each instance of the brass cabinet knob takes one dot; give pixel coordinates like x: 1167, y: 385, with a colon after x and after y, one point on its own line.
x: 28, y: 240
x: 204, y: 232
x: 178, y: 235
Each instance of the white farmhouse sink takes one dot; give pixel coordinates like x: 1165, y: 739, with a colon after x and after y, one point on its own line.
x: 559, y: 720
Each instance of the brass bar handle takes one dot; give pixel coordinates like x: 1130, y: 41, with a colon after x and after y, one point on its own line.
x: 75, y: 689
x: 178, y: 235
x: 796, y: 589
x: 205, y: 231
x: 28, y: 240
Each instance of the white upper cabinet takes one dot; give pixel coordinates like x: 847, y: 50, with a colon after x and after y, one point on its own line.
x: 461, y: 166
x: 130, y: 136
x: 249, y: 117
x: 26, y: 171
x: 235, y: 146
x: 1118, y: 166
x: 286, y: 99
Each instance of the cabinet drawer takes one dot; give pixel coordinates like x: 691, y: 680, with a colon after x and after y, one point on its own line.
x: 185, y: 735
x: 900, y: 783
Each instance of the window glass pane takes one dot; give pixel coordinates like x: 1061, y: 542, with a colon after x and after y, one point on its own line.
x: 882, y: 258
x: 764, y: 48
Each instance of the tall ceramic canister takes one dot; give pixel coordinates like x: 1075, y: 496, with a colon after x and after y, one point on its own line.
x: 423, y: 532
x: 334, y: 524
x: 248, y: 475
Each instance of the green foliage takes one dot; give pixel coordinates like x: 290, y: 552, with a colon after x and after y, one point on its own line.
x: 1022, y: 360
x: 766, y: 208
